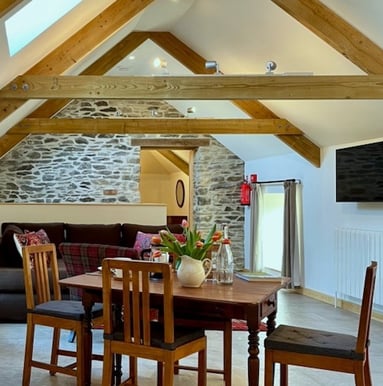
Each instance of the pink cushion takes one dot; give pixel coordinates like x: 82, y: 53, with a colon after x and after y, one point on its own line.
x: 143, y: 241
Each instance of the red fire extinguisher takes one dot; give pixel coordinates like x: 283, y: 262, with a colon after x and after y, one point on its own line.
x: 245, y: 192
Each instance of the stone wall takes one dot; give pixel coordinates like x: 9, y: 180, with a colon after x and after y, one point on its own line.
x: 79, y: 168
x: 70, y: 168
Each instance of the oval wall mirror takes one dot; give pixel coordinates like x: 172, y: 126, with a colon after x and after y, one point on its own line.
x: 180, y: 193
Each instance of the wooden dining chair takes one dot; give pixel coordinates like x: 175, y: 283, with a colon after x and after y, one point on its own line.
x: 324, y: 350
x: 45, y: 307
x: 210, y: 324
x: 138, y: 336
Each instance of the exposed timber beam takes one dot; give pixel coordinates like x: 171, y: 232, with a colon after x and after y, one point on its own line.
x: 81, y: 43
x: 205, y: 87
x: 7, y: 5
x: 154, y: 126
x: 337, y: 32
x: 8, y: 141
x: 175, y: 160
x: 299, y: 143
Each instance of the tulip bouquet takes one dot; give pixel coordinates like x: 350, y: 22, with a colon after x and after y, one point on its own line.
x: 193, y: 245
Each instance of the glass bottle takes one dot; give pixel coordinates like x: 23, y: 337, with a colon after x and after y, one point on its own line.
x: 225, y: 263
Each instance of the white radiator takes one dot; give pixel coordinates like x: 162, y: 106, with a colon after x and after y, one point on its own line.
x: 355, y: 249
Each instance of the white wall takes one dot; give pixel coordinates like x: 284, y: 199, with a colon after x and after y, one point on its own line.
x: 160, y: 188
x: 85, y: 213
x: 321, y: 214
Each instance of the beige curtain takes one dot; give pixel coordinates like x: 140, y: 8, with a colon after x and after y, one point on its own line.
x: 292, y: 233
x: 257, y: 210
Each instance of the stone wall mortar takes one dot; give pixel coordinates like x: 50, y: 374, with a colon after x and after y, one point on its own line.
x: 77, y: 168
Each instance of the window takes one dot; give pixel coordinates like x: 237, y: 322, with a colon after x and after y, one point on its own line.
x: 272, y: 230
x: 33, y: 19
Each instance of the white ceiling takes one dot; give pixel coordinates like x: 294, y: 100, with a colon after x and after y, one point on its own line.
x: 242, y: 36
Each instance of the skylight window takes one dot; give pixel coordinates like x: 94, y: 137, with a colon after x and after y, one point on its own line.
x: 33, y: 19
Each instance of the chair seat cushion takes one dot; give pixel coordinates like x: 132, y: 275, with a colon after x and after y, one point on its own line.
x: 317, y: 342
x: 66, y: 309
x: 182, y: 335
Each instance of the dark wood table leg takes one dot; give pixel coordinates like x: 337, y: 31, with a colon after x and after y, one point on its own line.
x: 117, y: 371
x: 88, y: 303
x: 253, y: 322
x: 271, y: 323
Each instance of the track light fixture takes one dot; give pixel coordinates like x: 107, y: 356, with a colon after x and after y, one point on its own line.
x: 270, y: 67
x: 212, y: 64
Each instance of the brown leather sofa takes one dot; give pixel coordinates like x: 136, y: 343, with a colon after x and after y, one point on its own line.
x: 12, y: 293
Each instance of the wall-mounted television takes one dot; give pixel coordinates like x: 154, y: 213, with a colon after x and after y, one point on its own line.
x: 359, y: 173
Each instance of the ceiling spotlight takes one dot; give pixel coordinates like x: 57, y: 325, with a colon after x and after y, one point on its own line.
x: 270, y: 66
x: 154, y: 111
x: 212, y: 64
x: 191, y: 110
x: 160, y: 63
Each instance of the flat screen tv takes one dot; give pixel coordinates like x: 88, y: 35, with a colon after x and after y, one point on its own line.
x: 359, y: 173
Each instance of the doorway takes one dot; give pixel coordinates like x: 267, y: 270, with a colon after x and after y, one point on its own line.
x: 165, y: 178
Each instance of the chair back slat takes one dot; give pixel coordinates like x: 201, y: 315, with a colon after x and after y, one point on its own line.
x: 366, y: 308
x: 136, y: 299
x: 40, y: 274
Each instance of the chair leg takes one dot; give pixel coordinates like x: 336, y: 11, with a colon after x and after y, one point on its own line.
x: 160, y: 373
x: 107, y: 367
x: 55, y: 348
x: 176, y: 369
x: 168, y: 373
x: 269, y: 370
x: 28, y: 353
x: 133, y: 369
x: 227, y: 352
x: 202, y: 364
x: 80, y: 356
x: 284, y: 381
x: 367, y: 371
x: 359, y: 377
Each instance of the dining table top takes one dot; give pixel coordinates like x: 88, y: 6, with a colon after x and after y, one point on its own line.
x: 240, y: 292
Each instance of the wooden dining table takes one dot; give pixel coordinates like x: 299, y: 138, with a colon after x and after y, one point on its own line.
x: 252, y: 301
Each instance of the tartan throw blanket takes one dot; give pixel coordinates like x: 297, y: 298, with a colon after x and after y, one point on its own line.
x: 81, y: 258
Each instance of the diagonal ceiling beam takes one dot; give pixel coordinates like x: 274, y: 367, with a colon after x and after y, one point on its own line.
x: 337, y: 32
x: 175, y: 160
x: 81, y: 43
x: 154, y: 126
x: 7, y: 5
x: 198, y: 87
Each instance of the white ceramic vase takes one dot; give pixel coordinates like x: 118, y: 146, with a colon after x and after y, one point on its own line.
x: 192, y: 272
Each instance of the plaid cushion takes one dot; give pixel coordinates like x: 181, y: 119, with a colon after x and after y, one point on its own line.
x: 80, y: 258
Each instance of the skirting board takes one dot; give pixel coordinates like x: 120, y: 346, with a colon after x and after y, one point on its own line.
x: 344, y: 304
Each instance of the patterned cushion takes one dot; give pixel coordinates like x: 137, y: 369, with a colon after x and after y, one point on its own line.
x: 30, y: 238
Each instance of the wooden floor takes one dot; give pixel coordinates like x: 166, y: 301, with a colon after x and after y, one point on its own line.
x: 293, y: 309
